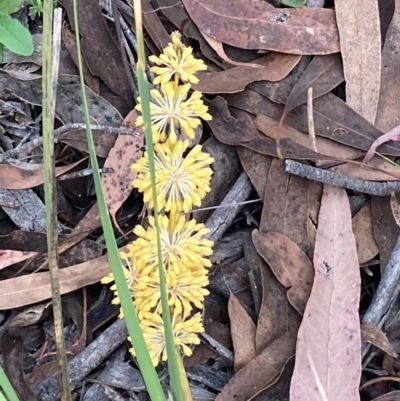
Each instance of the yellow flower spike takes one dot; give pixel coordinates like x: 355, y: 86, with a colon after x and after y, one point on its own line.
x: 181, y: 246
x: 185, y: 334
x: 173, y: 107
x: 182, y: 182
x: 176, y: 60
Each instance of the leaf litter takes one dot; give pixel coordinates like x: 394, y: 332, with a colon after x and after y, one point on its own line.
x: 262, y: 60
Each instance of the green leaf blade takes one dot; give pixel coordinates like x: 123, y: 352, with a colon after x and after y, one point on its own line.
x: 15, y: 36
x: 10, y: 6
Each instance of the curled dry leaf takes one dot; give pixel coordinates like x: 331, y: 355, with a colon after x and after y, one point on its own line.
x: 360, y: 43
x: 9, y: 257
x: 290, y: 265
x: 276, y: 66
x: 243, y: 332
x: 374, y: 335
x: 394, y: 204
x: 328, y: 355
x: 117, y: 184
x: 256, y: 24
x: 392, y: 135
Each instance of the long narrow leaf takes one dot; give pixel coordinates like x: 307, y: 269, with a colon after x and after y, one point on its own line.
x: 146, y: 366
x: 50, y: 75
x: 6, y: 387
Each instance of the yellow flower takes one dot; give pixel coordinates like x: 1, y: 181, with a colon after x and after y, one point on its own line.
x: 181, y: 181
x: 185, y: 334
x: 184, y: 289
x: 171, y: 108
x: 183, y: 244
x: 176, y: 59
x: 137, y: 276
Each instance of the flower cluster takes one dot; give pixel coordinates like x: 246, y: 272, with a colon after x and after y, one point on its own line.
x: 182, y: 180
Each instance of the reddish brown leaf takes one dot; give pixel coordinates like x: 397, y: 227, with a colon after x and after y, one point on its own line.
x: 388, y: 113
x: 153, y: 26
x: 276, y: 66
x: 392, y: 135
x: 360, y: 44
x: 328, y: 354
x: 276, y: 316
x: 13, y: 177
x: 322, y: 75
x: 285, y: 205
x: 231, y: 131
x: 218, y: 47
x: 243, y: 332
x: 333, y: 119
x: 258, y: 25
x: 9, y: 257
x: 290, y: 265
x: 117, y: 184
x: 261, y: 371
x: 362, y: 223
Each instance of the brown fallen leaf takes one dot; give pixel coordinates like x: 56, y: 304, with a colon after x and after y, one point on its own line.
x: 388, y: 113
x: 231, y: 131
x: 392, y: 135
x: 281, y: 385
x: 328, y: 354
x: 153, y: 26
x: 32, y: 288
x: 117, y: 184
x: 276, y: 66
x: 362, y: 224
x: 256, y: 166
x: 276, y: 316
x: 12, y: 356
x: 360, y: 44
x: 243, y: 332
x: 385, y: 228
x: 258, y: 25
x: 323, y: 74
x: 103, y: 141
x: 285, y: 205
x: 375, y: 336
x: 261, y: 371
x: 333, y: 119
x: 218, y: 47
x: 290, y: 265
x: 13, y: 177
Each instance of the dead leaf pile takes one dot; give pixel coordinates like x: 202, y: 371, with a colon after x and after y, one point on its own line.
x: 296, y: 266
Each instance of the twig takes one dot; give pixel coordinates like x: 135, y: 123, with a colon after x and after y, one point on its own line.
x: 219, y: 348
x: 387, y: 291
x: 222, y: 218
x: 87, y: 360
x: 27, y: 147
x: 310, y: 119
x: 338, y: 180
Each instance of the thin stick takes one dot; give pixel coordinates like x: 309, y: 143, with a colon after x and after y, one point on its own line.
x: 338, y: 180
x: 310, y: 119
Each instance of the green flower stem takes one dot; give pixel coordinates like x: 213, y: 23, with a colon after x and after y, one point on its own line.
x: 6, y: 388
x: 143, y: 357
